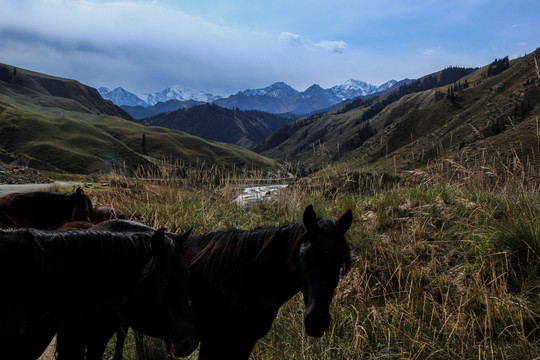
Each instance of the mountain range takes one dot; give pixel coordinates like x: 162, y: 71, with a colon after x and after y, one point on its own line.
x: 56, y: 124
x: 485, y: 119
x: 456, y: 119
x: 278, y: 98
x: 119, y: 96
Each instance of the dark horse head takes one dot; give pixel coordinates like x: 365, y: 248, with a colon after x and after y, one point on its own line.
x: 81, y: 205
x: 160, y: 306
x: 44, y: 210
x: 319, y: 256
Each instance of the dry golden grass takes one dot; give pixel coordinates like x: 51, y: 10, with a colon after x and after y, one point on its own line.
x: 445, y: 261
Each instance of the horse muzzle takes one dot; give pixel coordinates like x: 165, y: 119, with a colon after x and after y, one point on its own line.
x: 316, y: 322
x: 182, y: 348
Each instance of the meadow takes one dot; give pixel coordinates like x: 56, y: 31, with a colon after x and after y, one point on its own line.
x: 446, y: 262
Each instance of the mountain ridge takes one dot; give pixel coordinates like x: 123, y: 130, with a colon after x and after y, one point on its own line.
x: 313, y: 99
x: 277, y: 98
x: 468, y: 116
x: 213, y: 122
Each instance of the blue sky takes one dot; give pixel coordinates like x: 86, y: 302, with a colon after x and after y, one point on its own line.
x: 227, y: 46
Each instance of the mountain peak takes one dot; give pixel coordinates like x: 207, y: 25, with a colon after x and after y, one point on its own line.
x: 178, y: 92
x: 119, y: 96
x: 315, y: 88
x: 352, y: 88
x: 276, y: 90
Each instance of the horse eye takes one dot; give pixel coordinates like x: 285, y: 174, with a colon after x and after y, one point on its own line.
x: 304, y: 248
x: 163, y: 281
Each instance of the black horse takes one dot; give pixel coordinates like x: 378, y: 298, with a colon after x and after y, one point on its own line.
x: 48, y: 278
x: 240, y: 278
x: 44, y: 210
x: 87, y: 336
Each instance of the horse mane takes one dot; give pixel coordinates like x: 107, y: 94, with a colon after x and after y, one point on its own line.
x: 67, y: 257
x: 230, y: 258
x: 231, y: 248
x: 89, y: 250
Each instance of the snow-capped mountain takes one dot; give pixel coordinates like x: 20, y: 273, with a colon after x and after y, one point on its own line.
x: 277, y: 98
x: 177, y: 92
x: 389, y: 85
x: 276, y: 90
x: 120, y: 96
x: 351, y: 89
x: 316, y: 91
x: 280, y: 98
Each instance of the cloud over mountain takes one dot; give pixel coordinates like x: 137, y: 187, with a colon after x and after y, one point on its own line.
x: 328, y: 45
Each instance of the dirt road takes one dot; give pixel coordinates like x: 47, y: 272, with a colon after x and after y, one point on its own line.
x: 11, y: 188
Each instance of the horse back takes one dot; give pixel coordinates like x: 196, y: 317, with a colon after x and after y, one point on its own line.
x: 106, y: 212
x: 43, y: 210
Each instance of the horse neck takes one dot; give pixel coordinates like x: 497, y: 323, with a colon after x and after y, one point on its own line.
x: 95, y: 261
x: 248, y: 267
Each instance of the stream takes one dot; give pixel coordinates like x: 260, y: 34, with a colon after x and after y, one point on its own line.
x: 257, y: 193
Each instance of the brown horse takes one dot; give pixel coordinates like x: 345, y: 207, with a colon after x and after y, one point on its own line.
x: 44, y: 210
x: 106, y: 212
x: 74, y: 225
x: 101, y: 213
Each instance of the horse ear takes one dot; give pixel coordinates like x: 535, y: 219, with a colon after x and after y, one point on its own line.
x: 180, y: 239
x: 79, y: 191
x: 344, y: 223
x: 158, y: 241
x: 310, y: 219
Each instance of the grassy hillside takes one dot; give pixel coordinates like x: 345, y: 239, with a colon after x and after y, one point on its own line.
x: 325, y: 137
x: 488, y: 123
x: 212, y: 122
x: 57, y: 124
x: 28, y: 88
x: 494, y: 117
x: 61, y: 143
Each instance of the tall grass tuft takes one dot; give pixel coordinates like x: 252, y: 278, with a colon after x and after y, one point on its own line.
x: 516, y: 233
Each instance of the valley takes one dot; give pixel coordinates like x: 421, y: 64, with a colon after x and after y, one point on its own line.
x: 457, y: 114
x: 441, y: 175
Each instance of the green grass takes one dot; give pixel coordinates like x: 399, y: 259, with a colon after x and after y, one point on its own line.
x: 440, y: 270
x: 57, y: 139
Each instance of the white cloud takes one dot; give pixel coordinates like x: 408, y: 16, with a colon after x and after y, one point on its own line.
x: 334, y: 46
x: 158, y: 45
x: 145, y: 45
x: 293, y: 39
x: 297, y: 41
